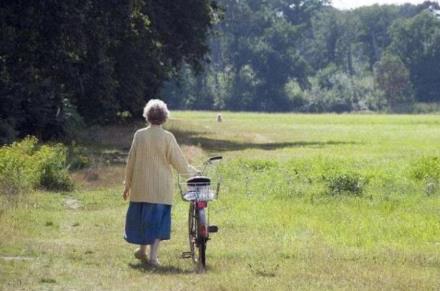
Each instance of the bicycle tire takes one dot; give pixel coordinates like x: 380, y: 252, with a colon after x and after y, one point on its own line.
x: 201, y: 239
x: 202, y: 254
x: 192, y: 232
x: 197, y: 243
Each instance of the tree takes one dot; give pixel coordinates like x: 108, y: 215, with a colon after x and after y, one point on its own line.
x: 417, y: 42
x: 392, y: 78
x: 259, y: 49
x: 99, y: 56
x: 374, y: 22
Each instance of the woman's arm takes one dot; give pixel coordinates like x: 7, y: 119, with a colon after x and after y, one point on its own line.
x: 130, y: 167
x: 177, y: 159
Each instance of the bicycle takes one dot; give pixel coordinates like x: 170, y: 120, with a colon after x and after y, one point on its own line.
x: 198, y: 193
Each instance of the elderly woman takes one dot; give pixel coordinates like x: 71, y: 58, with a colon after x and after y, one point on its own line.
x: 149, y: 182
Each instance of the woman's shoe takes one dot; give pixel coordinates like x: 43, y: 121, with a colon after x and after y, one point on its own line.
x: 138, y: 254
x: 154, y: 263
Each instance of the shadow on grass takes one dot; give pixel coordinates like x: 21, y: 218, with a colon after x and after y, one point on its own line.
x: 209, y: 144
x: 198, y: 138
x: 144, y: 267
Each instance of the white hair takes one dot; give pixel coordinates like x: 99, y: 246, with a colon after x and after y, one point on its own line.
x: 156, y: 111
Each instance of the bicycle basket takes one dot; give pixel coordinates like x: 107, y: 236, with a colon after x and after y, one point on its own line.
x: 198, y: 188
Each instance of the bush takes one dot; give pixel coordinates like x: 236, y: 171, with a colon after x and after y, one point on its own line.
x: 421, y: 107
x: 427, y: 169
x: 342, y: 93
x: 25, y: 166
x: 78, y: 158
x: 18, y: 172
x: 73, y: 122
x: 52, y: 168
x: 346, y: 183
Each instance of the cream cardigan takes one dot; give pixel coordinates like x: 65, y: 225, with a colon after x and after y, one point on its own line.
x: 148, y: 174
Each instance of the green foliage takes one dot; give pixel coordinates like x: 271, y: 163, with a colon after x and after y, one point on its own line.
x: 18, y: 171
x: 373, y: 24
x: 25, y: 166
x: 52, y: 168
x: 346, y: 183
x: 307, y: 56
x: 254, y: 54
x: 392, y: 78
x: 427, y: 169
x: 296, y: 95
x: 416, y: 41
x: 340, y: 92
x: 73, y: 121
x: 78, y: 157
x: 61, y: 63
x: 423, y: 107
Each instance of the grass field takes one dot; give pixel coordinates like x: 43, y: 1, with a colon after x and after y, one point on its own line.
x: 309, y: 202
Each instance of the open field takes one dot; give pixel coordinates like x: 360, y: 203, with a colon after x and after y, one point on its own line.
x: 308, y: 202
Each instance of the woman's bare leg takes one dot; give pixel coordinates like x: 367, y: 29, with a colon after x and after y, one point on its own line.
x: 154, y: 248
x: 143, y: 249
x: 141, y: 253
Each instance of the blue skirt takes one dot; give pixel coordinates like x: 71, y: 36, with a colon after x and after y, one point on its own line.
x: 147, y: 222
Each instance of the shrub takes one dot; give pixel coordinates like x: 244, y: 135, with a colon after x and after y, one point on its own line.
x: 421, y: 107
x: 427, y: 169
x: 52, y: 168
x: 346, y: 183
x: 78, y: 157
x: 340, y: 92
x: 73, y: 122
x: 295, y: 94
x: 25, y: 166
x: 18, y: 172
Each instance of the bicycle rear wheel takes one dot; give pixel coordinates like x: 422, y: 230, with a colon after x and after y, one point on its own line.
x: 197, y: 242
x: 192, y: 232
x: 202, y: 254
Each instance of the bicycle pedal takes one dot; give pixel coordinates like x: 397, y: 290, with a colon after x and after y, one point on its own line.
x: 213, y: 228
x: 186, y: 255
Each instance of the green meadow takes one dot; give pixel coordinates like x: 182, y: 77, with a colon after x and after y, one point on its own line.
x: 307, y: 202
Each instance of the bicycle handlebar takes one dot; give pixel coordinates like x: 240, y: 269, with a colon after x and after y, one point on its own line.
x: 214, y: 158
x: 209, y: 161
x: 205, y: 164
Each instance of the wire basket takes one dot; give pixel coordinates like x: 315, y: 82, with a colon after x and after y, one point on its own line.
x: 204, y: 187
x: 199, y: 188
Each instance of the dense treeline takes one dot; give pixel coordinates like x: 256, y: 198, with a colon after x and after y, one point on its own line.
x: 281, y: 55
x: 63, y: 63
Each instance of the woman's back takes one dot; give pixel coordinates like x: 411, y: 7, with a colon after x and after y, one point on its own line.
x: 153, y: 152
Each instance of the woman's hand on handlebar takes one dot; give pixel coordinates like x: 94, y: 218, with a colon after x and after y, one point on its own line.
x: 126, y: 194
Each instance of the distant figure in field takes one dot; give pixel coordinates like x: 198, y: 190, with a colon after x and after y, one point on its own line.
x: 219, y: 117
x: 149, y: 182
